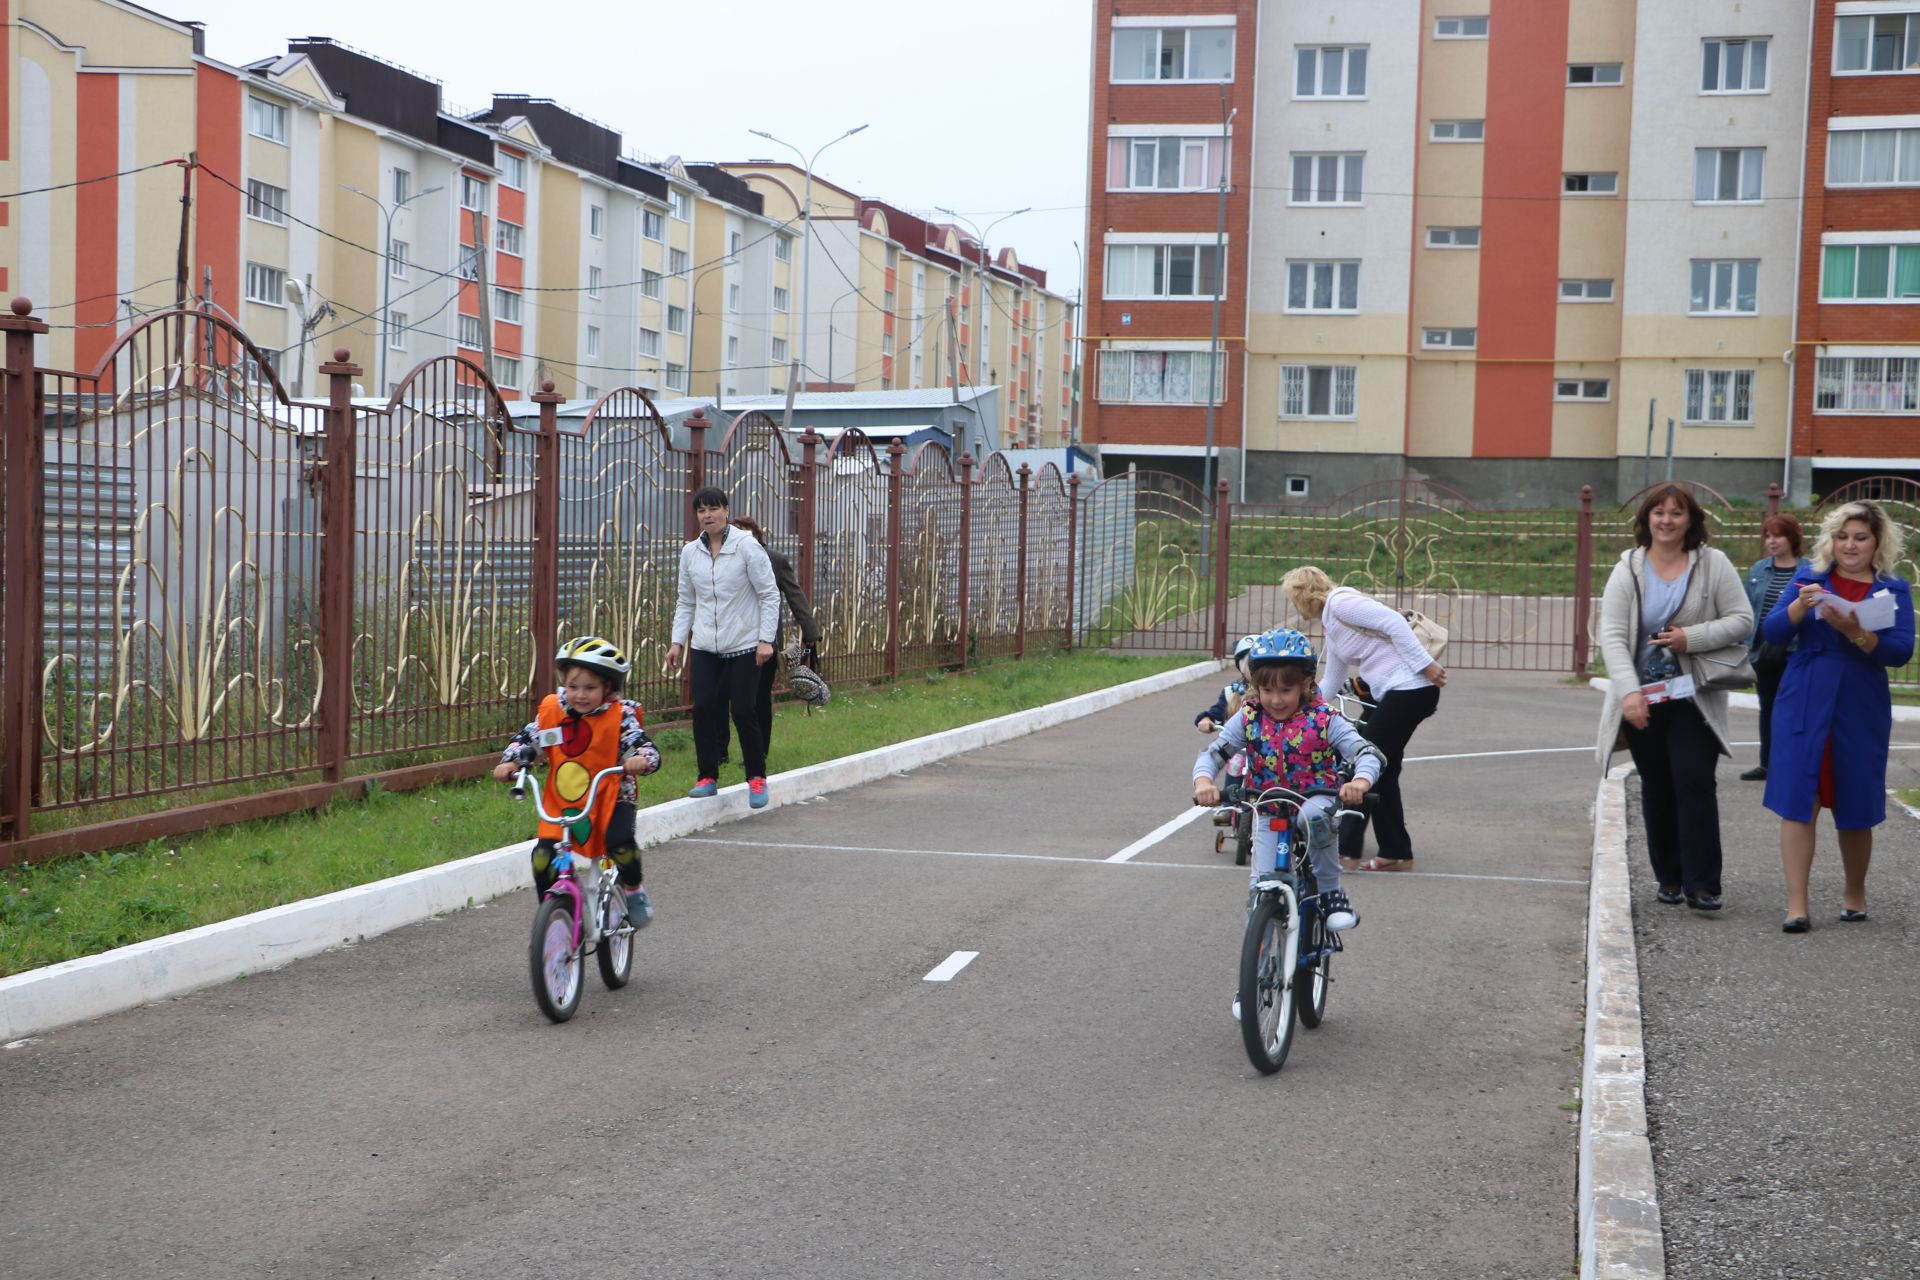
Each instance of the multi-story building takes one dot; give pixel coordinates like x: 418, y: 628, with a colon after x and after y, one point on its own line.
x: 1856, y: 406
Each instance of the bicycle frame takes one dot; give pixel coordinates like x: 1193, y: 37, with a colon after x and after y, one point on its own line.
x: 586, y: 924
x: 1297, y: 869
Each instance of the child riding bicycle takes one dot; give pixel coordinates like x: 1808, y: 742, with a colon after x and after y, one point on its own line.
x: 1293, y: 739
x: 583, y: 728
x: 1232, y: 696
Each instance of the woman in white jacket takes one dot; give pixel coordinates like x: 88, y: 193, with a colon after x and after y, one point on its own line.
x: 727, y: 612
x: 1366, y: 638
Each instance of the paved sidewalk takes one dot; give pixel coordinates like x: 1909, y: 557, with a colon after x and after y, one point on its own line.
x: 1783, y: 1098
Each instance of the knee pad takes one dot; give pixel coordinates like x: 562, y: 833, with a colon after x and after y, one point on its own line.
x: 1319, y: 830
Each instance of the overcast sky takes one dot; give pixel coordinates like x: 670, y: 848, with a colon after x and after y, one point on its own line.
x: 980, y: 106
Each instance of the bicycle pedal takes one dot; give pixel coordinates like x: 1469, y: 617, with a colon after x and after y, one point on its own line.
x: 1223, y: 817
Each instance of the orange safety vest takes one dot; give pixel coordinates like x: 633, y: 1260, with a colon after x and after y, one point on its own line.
x: 588, y: 744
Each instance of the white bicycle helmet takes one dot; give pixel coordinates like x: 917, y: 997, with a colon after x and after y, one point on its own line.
x: 1246, y: 643
x: 596, y: 654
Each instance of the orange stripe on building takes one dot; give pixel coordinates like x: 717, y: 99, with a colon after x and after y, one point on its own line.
x: 216, y: 206
x: 1520, y: 228
x: 96, y: 210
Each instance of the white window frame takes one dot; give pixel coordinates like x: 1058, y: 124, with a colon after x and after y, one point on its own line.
x: 676, y: 319
x: 1121, y: 379
x: 1901, y: 383
x: 597, y: 221
x: 1906, y: 57
x: 1449, y: 338
x: 593, y: 341
x: 677, y: 204
x: 1750, y: 173
x: 1160, y: 26
x: 1581, y: 390
x: 676, y: 377
x: 733, y: 298
x: 513, y: 171
x: 782, y: 299
x: 1469, y: 27
x: 473, y: 192
x: 1341, y: 277
x: 779, y: 347
x: 397, y: 330
x: 1697, y: 391
x: 1895, y: 249
x: 1321, y: 54
x: 734, y: 243
x: 266, y: 203
x: 399, y: 258
x: 1730, y: 269
x: 651, y: 283
x: 677, y: 262
x: 509, y: 237
x: 1166, y: 253
x: 594, y: 276
x: 1597, y: 75
x: 266, y: 285
x: 1611, y: 177
x: 402, y: 185
x: 653, y: 224
x: 469, y: 334
x: 733, y: 349
x: 1719, y: 46
x: 1448, y: 238
x: 1457, y: 131
x: 268, y: 119
x: 1342, y: 382
x: 506, y: 372
x: 1586, y: 291
x: 649, y: 342
x: 1124, y: 179
x: 508, y: 306
x: 1902, y: 154
x: 1349, y: 185
x: 467, y: 263
x: 783, y: 248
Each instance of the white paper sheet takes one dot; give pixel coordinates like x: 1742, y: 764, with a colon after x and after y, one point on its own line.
x: 1875, y: 613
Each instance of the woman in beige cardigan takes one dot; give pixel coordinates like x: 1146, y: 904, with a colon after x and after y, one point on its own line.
x: 1689, y: 600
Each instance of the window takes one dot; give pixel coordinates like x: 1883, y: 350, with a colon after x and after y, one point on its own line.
x: 1459, y: 28
x: 1323, y: 286
x: 1145, y: 54
x: 510, y: 237
x: 733, y: 350
x: 1877, y: 43
x: 779, y: 298
x: 1453, y: 237
x: 1590, y: 184
x: 1297, y: 486
x: 396, y: 331
x: 506, y: 306
x: 402, y: 185
x: 589, y: 392
x: 593, y: 341
x: 1459, y: 131
x: 1317, y: 391
x: 1449, y: 339
x: 652, y: 225
x: 1586, y: 291
x: 468, y: 267
x: 593, y: 282
x: 677, y: 377
x: 596, y: 221
x: 1873, y: 157
x: 677, y: 204
x: 1162, y: 271
x: 1733, y: 66
x: 886, y: 301
x: 1870, y: 273
x: 1338, y: 71
x: 506, y: 371
x: 779, y: 350
x: 266, y: 202
x: 1593, y: 73
x: 1725, y: 287
x: 676, y: 319
x: 783, y: 248
x: 470, y: 333
x: 1720, y: 396
x: 1728, y: 175
x: 733, y: 244
x: 1867, y: 384
x: 1326, y: 178
x: 1165, y: 164
x: 397, y: 258
x: 649, y: 283
x: 513, y: 170
x: 473, y: 192
x: 266, y: 284
x: 733, y: 297
x: 266, y: 119
x: 649, y: 342
x: 886, y: 344
x: 676, y: 262
x: 1582, y: 389
x: 1160, y: 377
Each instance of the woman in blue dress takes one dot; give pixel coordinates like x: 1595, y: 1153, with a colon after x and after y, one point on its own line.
x: 1833, y: 716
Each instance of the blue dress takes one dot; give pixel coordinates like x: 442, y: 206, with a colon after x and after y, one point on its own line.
x: 1833, y: 690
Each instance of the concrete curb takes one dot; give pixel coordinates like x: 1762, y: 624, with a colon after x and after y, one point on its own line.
x: 80, y: 990
x: 1751, y: 701
x: 1620, y: 1235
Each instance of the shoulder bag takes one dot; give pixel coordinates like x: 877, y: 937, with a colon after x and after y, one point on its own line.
x: 1717, y: 670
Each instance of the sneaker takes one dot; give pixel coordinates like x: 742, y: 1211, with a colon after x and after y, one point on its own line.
x: 1236, y: 1006
x: 757, y: 792
x: 1339, y: 913
x: 639, y: 907
x: 705, y: 787
x: 1756, y: 774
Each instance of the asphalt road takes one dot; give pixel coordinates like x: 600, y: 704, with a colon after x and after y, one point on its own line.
x: 782, y: 1093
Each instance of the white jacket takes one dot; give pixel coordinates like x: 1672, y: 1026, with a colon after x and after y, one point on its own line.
x: 728, y: 602
x: 1367, y: 636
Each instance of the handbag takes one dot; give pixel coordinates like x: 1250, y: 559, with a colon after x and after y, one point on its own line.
x: 1719, y: 670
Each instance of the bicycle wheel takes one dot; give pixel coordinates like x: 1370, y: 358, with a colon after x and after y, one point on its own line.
x: 615, y: 952
x: 1314, y: 975
x: 556, y: 966
x: 1266, y: 997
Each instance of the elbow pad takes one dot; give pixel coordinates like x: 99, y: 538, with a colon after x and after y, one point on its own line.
x: 1370, y: 750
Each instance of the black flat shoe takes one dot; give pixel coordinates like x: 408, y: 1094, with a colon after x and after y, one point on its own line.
x: 1704, y: 901
x: 1671, y: 897
x: 1756, y: 774
x: 1796, y: 924
x: 1849, y: 916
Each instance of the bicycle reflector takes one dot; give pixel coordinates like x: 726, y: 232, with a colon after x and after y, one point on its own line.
x: 1276, y: 824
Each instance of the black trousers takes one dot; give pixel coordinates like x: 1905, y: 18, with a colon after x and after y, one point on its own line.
x: 763, y: 701
x: 1390, y: 727
x: 622, y: 846
x: 725, y: 687
x: 1766, y: 683
x: 1676, y: 755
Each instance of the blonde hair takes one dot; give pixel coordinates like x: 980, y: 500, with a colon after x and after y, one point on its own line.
x: 1307, y: 588
x: 1888, y: 540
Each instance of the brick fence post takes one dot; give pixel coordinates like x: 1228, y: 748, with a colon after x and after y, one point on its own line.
x: 807, y: 521
x: 696, y: 465
x: 1773, y: 499
x: 339, y: 461
x: 22, y: 575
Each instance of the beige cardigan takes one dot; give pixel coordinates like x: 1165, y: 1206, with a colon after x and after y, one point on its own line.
x: 1715, y: 614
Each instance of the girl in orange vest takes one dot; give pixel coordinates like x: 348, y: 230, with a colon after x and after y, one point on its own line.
x: 586, y: 727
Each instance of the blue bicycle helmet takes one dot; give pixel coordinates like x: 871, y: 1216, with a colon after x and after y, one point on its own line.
x: 1282, y: 645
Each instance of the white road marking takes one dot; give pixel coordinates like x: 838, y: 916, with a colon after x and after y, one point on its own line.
x: 1160, y: 833
x: 944, y: 971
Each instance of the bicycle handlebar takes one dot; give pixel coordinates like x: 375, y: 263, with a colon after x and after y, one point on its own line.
x: 1287, y: 795
x: 523, y: 787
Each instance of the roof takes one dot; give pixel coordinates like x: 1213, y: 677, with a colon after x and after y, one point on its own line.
x: 819, y: 401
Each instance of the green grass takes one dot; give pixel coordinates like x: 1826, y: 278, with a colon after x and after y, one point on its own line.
x: 87, y: 904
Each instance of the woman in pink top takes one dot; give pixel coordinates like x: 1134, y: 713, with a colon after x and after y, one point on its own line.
x: 1367, y: 639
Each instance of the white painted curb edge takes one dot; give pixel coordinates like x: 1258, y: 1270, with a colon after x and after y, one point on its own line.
x: 92, y: 987
x: 1751, y: 701
x: 1619, y: 1233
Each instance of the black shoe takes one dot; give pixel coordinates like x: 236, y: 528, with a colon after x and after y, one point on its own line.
x: 1796, y: 924
x: 1671, y: 897
x: 1704, y: 901
x: 1756, y: 774
x: 1849, y: 916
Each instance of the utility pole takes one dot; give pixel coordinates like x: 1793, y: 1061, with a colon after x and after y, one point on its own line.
x: 1219, y: 287
x: 186, y: 221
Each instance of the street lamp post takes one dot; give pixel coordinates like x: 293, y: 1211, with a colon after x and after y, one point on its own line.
x: 386, y: 265
x: 830, y: 323
x: 806, y: 248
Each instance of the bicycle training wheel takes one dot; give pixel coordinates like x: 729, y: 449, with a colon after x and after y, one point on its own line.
x: 555, y: 964
x: 615, y: 952
x: 1314, y: 974
x: 1266, y: 997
